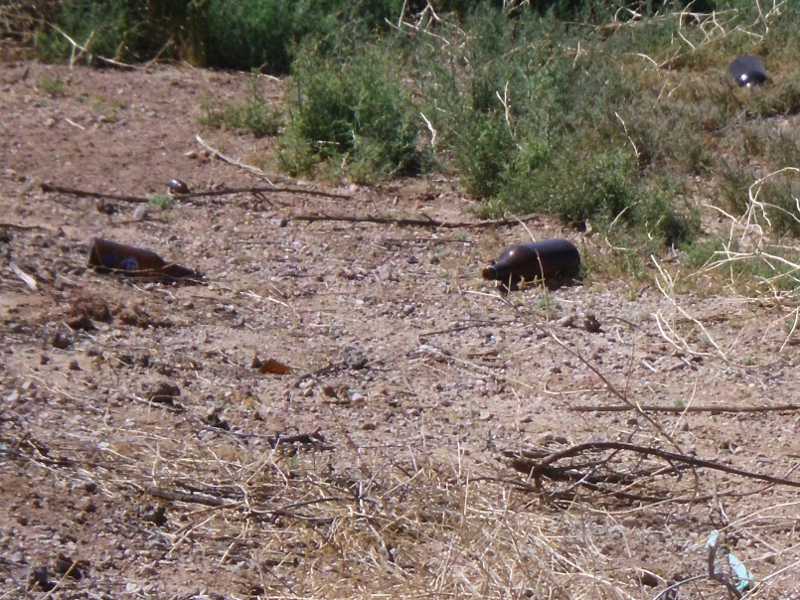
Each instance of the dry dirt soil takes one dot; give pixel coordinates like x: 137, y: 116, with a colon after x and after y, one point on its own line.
x: 148, y: 448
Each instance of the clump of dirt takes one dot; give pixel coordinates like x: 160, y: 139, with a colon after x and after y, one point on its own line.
x: 85, y: 308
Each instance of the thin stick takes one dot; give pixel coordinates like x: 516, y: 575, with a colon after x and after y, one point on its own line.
x: 47, y: 187
x: 26, y: 279
x: 83, y: 49
x: 188, y: 497
x: 232, y: 161
x: 24, y: 227
x: 674, y: 409
x: 408, y: 222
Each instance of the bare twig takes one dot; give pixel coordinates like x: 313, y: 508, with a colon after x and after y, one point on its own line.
x: 232, y: 161
x: 84, y: 50
x: 188, y: 497
x: 20, y: 227
x: 25, y: 277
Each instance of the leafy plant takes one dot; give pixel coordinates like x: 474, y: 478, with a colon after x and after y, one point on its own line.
x: 161, y: 202
x: 254, y: 115
x: 52, y: 86
x: 356, y: 113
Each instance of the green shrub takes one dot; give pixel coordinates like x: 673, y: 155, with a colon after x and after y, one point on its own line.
x: 352, y: 113
x: 255, y: 114
x: 125, y: 30
x: 265, y: 34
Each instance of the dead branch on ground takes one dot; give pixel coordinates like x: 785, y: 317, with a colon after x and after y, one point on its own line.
x: 50, y: 188
x: 260, y: 189
x: 723, y: 408
x: 596, y: 474
x: 314, y: 439
x: 409, y: 222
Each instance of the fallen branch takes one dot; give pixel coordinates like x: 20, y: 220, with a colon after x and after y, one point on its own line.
x: 409, y: 222
x: 47, y: 187
x: 537, y: 469
x: 256, y: 190
x: 25, y: 227
x: 187, y: 497
x: 315, y: 438
x: 675, y: 409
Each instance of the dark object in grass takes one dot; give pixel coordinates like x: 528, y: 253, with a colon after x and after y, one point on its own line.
x: 748, y: 71
x: 551, y: 260
x: 107, y: 256
x: 176, y: 187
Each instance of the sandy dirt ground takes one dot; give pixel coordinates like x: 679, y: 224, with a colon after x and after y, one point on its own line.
x: 148, y: 451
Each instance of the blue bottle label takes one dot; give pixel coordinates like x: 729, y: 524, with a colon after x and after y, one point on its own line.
x: 129, y: 264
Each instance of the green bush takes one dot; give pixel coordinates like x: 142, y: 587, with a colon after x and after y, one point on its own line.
x: 255, y: 114
x: 265, y: 34
x: 356, y: 114
x: 125, y: 30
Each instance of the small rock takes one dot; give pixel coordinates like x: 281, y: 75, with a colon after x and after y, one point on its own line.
x: 74, y: 366
x: 41, y: 576
x: 355, y: 359
x: 355, y: 396
x: 61, y: 340
x: 140, y: 213
x: 568, y: 321
x: 82, y: 322
x: 164, y: 393
x: 65, y: 565
x: 157, y: 515
x: 214, y: 419
x: 649, y: 579
x: 591, y: 324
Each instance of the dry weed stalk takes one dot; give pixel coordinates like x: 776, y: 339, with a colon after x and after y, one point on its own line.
x: 750, y: 240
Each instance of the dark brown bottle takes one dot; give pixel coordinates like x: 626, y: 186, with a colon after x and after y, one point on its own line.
x: 106, y: 256
x: 551, y: 260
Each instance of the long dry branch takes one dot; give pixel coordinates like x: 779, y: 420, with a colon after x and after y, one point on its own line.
x: 410, y: 222
x: 539, y: 468
x: 259, y: 189
x: 674, y: 409
x: 48, y: 187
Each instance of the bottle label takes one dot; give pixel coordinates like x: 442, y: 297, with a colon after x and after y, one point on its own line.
x: 129, y: 264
